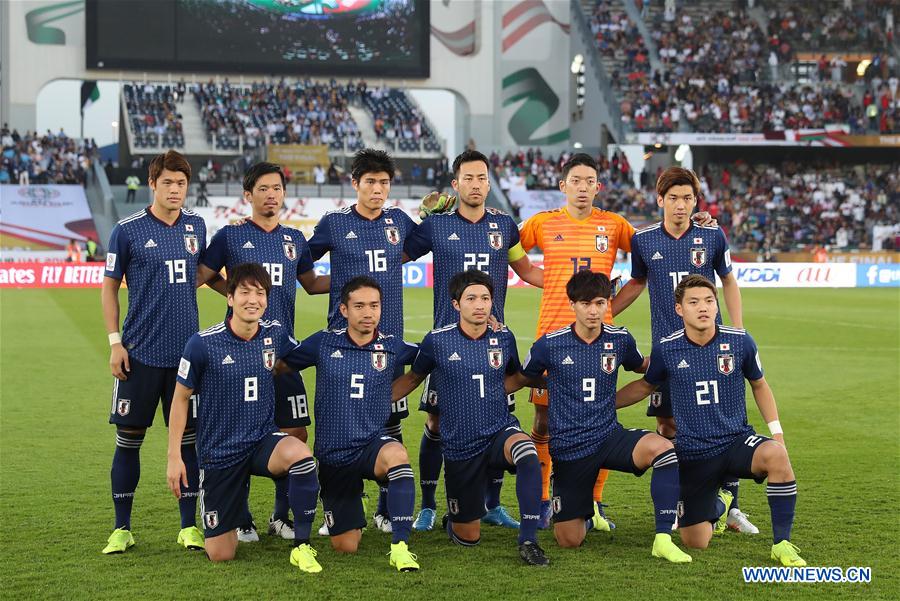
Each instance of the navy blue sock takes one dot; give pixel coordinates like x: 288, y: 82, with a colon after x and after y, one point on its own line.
x: 782, y: 501
x: 665, y: 490
x: 187, y: 504
x: 303, y: 493
x: 282, y: 502
x: 528, y: 488
x: 401, y: 501
x: 382, y: 508
x: 462, y: 542
x: 494, y: 485
x: 732, y: 484
x: 430, y: 461
x: 124, y: 475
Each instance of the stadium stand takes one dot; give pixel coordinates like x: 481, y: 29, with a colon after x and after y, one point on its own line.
x: 44, y: 159
x: 153, y: 116
x: 832, y: 26
x: 398, y: 121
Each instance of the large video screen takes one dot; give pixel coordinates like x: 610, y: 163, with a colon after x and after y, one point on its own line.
x: 337, y: 37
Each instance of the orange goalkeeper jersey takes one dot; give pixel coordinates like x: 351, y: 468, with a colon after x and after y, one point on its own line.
x: 570, y: 245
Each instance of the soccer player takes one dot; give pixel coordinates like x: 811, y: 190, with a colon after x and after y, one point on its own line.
x: 585, y: 434
x: 284, y: 253
x: 229, y: 365
x: 355, y: 368
x: 368, y: 238
x: 157, y: 250
x: 661, y: 256
x: 478, y: 433
x: 575, y: 237
x: 472, y: 236
x: 705, y: 365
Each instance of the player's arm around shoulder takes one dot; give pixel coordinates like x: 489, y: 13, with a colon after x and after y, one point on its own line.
x: 531, y: 373
x: 190, y: 370
x: 422, y: 365
x: 641, y: 388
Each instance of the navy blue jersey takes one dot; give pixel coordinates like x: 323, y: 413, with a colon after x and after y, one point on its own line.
x: 581, y: 384
x: 232, y: 378
x: 706, y: 385
x: 475, y: 371
x: 361, y: 246
x: 283, y: 251
x: 664, y: 261
x: 459, y: 244
x: 353, y: 389
x: 159, y: 264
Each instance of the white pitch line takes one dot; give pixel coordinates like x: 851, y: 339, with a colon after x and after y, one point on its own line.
x: 826, y: 322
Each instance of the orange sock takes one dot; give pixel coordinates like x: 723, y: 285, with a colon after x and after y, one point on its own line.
x: 541, y: 443
x: 598, y: 485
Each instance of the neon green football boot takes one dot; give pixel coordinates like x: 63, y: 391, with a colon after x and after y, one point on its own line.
x: 787, y: 554
x: 191, y: 538
x: 722, y: 523
x: 402, y: 559
x: 119, y: 541
x: 664, y: 547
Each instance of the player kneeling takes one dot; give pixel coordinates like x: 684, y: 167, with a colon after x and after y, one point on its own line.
x: 581, y: 364
x: 355, y: 368
x: 479, y: 435
x: 705, y: 365
x: 230, y: 366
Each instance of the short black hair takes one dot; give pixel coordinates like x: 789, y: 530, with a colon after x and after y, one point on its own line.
x: 258, y: 170
x: 469, y: 156
x: 587, y: 285
x: 253, y: 273
x: 360, y: 281
x: 369, y: 160
x: 575, y: 160
x: 470, y: 277
x: 695, y: 280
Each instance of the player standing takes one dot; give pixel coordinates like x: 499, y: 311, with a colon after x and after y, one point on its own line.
x: 585, y: 434
x: 478, y: 433
x: 157, y: 251
x: 705, y: 365
x: 368, y: 238
x: 662, y: 255
x: 284, y: 253
x: 229, y: 365
x: 472, y: 236
x: 355, y: 368
x: 575, y: 237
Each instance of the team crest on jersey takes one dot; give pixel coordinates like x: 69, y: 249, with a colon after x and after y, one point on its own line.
x: 290, y: 250
x: 191, y: 244
x: 123, y: 407
x: 329, y: 519
x: 655, y: 399
x: 379, y: 360
x: 432, y: 398
x: 495, y: 358
x: 495, y: 239
x: 556, y: 505
x: 602, y: 242
x: 608, y: 362
x: 392, y: 234
x: 725, y: 364
x: 269, y: 358
x: 211, y: 519
x: 453, y: 506
x: 698, y: 256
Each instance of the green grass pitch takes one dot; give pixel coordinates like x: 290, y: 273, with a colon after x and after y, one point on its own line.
x: 831, y: 357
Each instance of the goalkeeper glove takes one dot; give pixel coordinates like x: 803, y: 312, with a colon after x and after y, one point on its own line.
x: 436, y: 202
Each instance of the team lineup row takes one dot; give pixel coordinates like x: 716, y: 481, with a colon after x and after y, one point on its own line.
x: 244, y: 421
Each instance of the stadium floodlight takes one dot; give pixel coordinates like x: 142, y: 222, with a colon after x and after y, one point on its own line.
x: 681, y: 151
x: 577, y: 64
x: 577, y: 145
x: 862, y: 66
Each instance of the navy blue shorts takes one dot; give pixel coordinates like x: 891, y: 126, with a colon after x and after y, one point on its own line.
x: 466, y: 480
x: 573, y: 481
x: 702, y: 478
x: 660, y: 402
x: 223, y: 492
x: 291, y: 408
x: 134, y: 401
x: 342, y: 488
